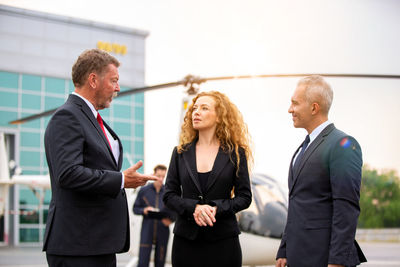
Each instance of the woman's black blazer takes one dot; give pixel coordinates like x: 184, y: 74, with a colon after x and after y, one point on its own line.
x: 183, y: 192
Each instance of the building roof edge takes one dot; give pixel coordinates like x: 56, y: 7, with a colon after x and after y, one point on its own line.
x: 9, y: 10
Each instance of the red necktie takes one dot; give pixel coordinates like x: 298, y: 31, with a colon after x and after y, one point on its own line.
x: 100, y: 120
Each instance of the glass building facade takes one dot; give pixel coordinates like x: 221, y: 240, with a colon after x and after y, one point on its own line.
x: 24, y: 93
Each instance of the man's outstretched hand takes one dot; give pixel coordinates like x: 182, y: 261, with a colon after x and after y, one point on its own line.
x: 134, y: 179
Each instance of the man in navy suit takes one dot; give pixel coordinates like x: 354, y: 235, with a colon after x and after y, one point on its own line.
x: 324, y: 186
x: 88, y: 215
x: 156, y: 220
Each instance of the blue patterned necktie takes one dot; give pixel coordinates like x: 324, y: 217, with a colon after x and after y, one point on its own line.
x: 300, y: 155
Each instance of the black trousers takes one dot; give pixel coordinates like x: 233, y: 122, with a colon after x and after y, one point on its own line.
x: 201, y: 253
x: 108, y: 260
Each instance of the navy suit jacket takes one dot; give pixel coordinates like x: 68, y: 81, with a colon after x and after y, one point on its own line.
x: 88, y: 213
x: 324, y: 194
x: 183, y: 192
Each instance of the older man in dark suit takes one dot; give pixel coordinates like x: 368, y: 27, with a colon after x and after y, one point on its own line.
x: 324, y: 186
x: 88, y: 215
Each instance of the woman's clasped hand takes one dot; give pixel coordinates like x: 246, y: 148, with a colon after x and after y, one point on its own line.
x: 204, y: 215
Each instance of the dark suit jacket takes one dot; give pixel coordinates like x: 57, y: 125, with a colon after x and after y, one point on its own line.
x: 324, y: 194
x: 183, y: 192
x: 88, y: 212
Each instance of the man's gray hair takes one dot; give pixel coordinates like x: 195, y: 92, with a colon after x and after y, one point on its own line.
x: 317, y: 90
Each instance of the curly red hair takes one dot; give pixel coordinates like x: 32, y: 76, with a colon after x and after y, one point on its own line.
x: 231, y: 130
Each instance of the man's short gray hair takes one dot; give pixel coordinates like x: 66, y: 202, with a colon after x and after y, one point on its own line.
x: 317, y: 90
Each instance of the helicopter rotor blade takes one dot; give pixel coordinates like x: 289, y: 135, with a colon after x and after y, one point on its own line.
x: 333, y: 75
x: 189, y: 81
x: 32, y: 117
x: 149, y: 88
x: 123, y: 93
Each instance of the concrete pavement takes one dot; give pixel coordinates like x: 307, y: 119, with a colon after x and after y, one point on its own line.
x: 379, y: 254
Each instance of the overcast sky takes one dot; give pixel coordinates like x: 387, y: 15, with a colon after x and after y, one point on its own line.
x: 226, y: 37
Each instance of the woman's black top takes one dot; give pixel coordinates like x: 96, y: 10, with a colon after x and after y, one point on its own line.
x: 203, y: 179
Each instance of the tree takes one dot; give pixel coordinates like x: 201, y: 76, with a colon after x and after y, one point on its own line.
x: 379, y: 199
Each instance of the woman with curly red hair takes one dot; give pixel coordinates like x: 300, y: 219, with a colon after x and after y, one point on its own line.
x: 208, y: 183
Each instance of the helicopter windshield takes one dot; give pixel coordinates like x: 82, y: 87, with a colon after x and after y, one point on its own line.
x: 267, y: 213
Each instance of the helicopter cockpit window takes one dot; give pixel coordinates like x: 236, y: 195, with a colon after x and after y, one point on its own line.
x: 267, y: 214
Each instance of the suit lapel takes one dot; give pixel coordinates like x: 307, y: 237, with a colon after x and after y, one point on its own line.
x: 89, y: 114
x: 310, y: 150
x: 189, y: 157
x: 220, y: 161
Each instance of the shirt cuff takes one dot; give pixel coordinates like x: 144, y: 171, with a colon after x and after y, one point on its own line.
x: 123, y: 180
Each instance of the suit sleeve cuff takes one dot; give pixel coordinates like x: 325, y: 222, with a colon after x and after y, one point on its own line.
x: 123, y: 180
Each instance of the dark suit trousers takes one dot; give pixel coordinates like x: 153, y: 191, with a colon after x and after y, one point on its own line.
x: 108, y: 260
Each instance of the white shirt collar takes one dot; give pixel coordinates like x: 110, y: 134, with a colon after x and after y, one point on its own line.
x: 318, y: 130
x: 88, y: 103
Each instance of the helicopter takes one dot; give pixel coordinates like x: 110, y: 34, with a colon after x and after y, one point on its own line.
x: 262, y: 224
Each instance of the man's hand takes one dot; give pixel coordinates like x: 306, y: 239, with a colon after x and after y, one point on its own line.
x: 134, y: 179
x: 166, y: 221
x: 281, y: 262
x: 147, y: 209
